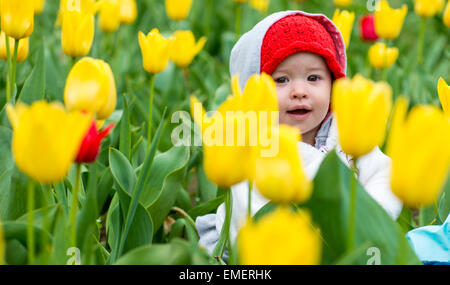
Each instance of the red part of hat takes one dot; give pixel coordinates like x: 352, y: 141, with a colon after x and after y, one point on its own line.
x: 298, y: 33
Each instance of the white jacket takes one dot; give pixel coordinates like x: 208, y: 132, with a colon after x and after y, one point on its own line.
x: 374, y: 175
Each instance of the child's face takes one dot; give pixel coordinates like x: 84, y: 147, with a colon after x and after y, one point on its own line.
x: 303, y: 87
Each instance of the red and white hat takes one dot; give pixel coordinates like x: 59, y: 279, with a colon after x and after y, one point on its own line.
x: 282, y: 34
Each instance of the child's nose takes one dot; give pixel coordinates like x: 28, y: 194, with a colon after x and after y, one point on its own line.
x: 298, y: 89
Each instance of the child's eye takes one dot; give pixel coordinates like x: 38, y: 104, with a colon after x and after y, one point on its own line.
x: 281, y: 80
x: 313, y: 78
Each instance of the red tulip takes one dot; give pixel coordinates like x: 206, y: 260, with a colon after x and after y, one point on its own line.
x: 367, y: 28
x: 91, y: 143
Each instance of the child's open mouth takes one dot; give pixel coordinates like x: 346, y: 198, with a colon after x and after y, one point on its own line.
x: 299, y: 114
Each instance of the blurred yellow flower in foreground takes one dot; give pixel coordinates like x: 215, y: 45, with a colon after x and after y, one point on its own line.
x: 128, y: 11
x: 178, y: 10
x: 362, y: 108
x: 22, y: 52
x: 39, y: 6
x: 260, y: 5
x: 109, y: 16
x: 446, y: 17
x: 77, y: 32
x: 381, y: 56
x: 281, y: 237
x: 155, y: 51
x: 17, y: 18
x: 418, y: 146
x: 389, y: 21
x: 90, y: 86
x: 46, y: 139
x: 344, y: 22
x: 184, y: 48
x: 232, y: 133
x: 444, y: 95
x: 428, y: 8
x: 281, y: 178
x: 342, y: 3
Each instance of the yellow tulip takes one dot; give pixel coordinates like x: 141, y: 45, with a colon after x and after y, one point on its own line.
x: 22, y: 51
x: 343, y: 3
x: 362, y: 109
x: 128, y: 11
x: 282, y: 237
x: 389, y: 21
x: 281, y: 178
x: 444, y: 95
x: 178, y: 10
x: 260, y: 5
x: 224, y: 142
x: 90, y: 86
x: 39, y: 6
x: 184, y: 48
x: 109, y: 16
x: 428, y: 8
x: 344, y: 22
x: 418, y: 146
x: 77, y: 32
x: 446, y: 18
x: 381, y: 56
x: 17, y: 18
x: 155, y: 51
x: 46, y: 139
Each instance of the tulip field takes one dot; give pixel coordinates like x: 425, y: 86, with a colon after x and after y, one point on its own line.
x: 104, y: 155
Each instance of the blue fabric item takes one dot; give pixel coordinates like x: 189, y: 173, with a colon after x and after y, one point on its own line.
x: 431, y: 243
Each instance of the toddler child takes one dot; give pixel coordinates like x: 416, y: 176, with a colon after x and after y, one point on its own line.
x: 304, y: 53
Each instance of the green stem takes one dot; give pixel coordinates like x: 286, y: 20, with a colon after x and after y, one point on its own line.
x: 46, y: 228
x: 30, y: 226
x: 238, y: 19
x: 74, y: 207
x: 13, y: 68
x: 351, y: 223
x: 70, y: 64
x: 8, y: 54
x: 150, y: 109
x: 423, y: 22
x: 225, y: 232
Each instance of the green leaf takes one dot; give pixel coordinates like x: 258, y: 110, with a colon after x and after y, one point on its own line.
x: 208, y: 190
x: 34, y: 87
x: 142, y: 180
x: 267, y: 208
x: 18, y: 230
x: 86, y: 219
x: 163, y: 197
x: 165, y: 164
x: 444, y: 201
x: 15, y: 253
x: 207, y: 207
x: 176, y: 252
x: 122, y: 171
x: 125, y: 135
x: 329, y: 206
x: 13, y: 183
